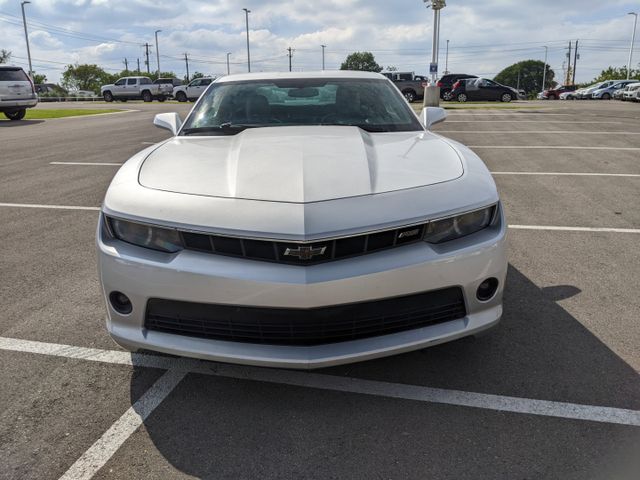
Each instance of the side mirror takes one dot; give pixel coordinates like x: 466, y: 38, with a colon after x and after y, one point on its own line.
x: 169, y: 121
x: 432, y: 115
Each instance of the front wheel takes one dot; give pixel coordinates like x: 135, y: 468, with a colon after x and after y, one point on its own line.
x: 146, y: 96
x: 606, y: 96
x: 108, y: 97
x: 446, y: 95
x: 506, y: 97
x: 551, y: 97
x: 462, y: 97
x: 181, y: 97
x: 16, y: 114
x: 410, y: 95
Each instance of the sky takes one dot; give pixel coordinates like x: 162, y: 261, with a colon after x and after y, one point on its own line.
x: 484, y: 37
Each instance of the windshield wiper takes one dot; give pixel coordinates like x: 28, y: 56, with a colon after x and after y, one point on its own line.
x: 226, y: 128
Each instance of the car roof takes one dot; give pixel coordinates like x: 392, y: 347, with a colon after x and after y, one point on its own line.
x: 8, y: 65
x: 299, y: 75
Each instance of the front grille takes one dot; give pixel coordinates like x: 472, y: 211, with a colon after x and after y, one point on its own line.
x: 315, y: 326
x: 303, y: 253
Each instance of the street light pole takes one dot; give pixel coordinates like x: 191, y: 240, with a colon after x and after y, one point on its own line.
x: 228, y: 69
x: 246, y: 14
x: 323, y: 47
x: 633, y: 39
x: 432, y: 92
x: 544, y: 71
x: 158, y: 52
x: 26, y: 37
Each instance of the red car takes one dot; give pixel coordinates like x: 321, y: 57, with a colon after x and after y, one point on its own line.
x: 554, y: 93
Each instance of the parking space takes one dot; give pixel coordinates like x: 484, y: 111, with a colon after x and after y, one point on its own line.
x: 553, y: 392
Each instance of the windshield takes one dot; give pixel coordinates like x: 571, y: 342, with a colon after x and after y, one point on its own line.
x: 371, y: 104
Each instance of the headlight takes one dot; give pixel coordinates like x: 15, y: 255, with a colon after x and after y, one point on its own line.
x: 156, y: 238
x: 459, y: 226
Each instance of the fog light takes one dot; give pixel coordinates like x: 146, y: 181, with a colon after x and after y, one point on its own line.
x: 120, y: 302
x: 487, y: 289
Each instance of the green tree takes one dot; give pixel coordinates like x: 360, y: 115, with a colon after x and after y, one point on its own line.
x: 85, y: 77
x: 39, y: 78
x: 363, y: 61
x: 5, y: 56
x: 197, y: 75
x: 530, y: 72
x: 616, y: 73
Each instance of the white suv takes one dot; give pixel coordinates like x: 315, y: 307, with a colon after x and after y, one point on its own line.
x: 193, y: 90
x: 17, y: 92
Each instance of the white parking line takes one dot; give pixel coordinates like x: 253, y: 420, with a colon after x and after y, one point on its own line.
x: 485, y: 401
x: 574, y: 229
x: 52, y: 207
x: 106, y: 446
x: 87, y: 163
x: 551, y: 147
x: 570, y: 174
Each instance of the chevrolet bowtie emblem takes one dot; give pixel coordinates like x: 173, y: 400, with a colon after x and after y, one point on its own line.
x: 304, y: 252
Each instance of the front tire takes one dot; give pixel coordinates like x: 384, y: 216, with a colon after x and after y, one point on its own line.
x: 146, y: 96
x: 16, y: 114
x: 606, y: 96
x: 108, y: 97
x: 446, y: 95
x: 506, y: 97
x: 410, y: 95
x: 551, y: 97
x: 181, y: 97
x: 462, y: 97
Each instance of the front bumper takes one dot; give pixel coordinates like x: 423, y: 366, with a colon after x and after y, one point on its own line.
x: 208, y: 278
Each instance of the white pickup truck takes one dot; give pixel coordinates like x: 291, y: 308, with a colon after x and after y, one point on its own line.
x: 134, y: 88
x: 192, y: 91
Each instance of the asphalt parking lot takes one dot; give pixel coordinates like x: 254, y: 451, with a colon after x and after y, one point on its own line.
x: 553, y: 392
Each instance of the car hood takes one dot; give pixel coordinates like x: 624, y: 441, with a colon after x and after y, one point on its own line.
x: 300, y: 164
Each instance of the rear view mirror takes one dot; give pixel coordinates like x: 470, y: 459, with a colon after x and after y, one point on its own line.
x: 168, y: 121
x: 432, y: 115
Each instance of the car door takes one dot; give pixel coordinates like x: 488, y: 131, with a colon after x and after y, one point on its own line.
x: 119, y: 87
x: 131, y: 88
x: 486, y: 90
x: 14, y: 84
x: 193, y: 89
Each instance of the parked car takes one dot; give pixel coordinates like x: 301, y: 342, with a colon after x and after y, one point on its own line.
x: 585, y: 93
x: 134, y: 88
x: 482, y: 89
x: 554, y: 93
x: 192, y: 91
x: 17, y: 92
x: 409, y: 84
x: 606, y: 93
x: 617, y: 95
x: 257, y: 236
x: 447, y: 81
x: 167, y: 85
x: 632, y: 93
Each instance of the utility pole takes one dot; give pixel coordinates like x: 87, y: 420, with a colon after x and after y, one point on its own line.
x: 138, y: 66
x: 544, y: 70
x: 518, y: 85
x: 633, y: 39
x: 26, y: 37
x: 575, y: 62
x: 568, y: 79
x: 323, y: 47
x: 290, y: 55
x: 246, y: 16
x: 186, y: 62
x: 126, y: 65
x: 158, y: 52
x: 146, y: 52
x: 228, y: 67
x: 446, y: 60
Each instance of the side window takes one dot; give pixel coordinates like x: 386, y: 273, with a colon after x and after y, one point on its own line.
x: 195, y: 83
x: 145, y: 81
x: 131, y: 81
x: 120, y: 82
x: 205, y: 81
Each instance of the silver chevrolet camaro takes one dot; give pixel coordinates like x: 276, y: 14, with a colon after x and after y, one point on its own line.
x: 301, y: 220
